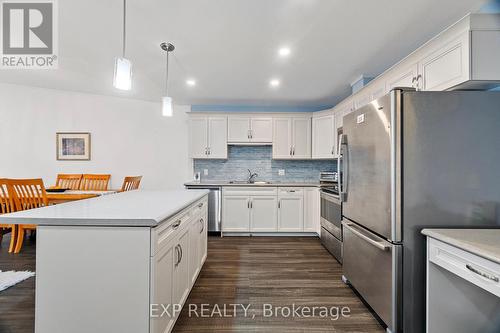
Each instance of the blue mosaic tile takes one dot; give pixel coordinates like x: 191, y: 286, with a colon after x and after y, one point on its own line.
x: 259, y: 159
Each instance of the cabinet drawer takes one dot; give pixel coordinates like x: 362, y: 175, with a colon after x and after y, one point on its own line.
x: 291, y: 191
x: 163, y: 233
x: 249, y: 191
x: 199, y: 206
x: 475, y: 269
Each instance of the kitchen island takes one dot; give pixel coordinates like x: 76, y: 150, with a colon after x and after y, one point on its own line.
x: 114, y: 263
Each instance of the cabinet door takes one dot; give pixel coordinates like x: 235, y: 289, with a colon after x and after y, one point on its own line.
x: 361, y: 98
x: 402, y: 77
x: 162, y: 265
x: 198, y: 136
x: 194, y: 249
x: 311, y: 210
x: 236, y: 213
x: 263, y: 213
x: 203, y: 237
x: 291, y: 214
x: 301, y: 138
x: 261, y: 130
x: 323, y: 137
x: 217, y: 137
x: 238, y: 129
x: 282, y: 138
x: 377, y: 90
x: 181, y: 279
x: 447, y: 66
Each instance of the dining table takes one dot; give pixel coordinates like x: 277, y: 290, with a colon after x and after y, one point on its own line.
x: 74, y: 195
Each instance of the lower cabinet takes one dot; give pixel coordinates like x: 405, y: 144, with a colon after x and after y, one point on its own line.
x: 291, y: 210
x: 263, y: 212
x: 270, y: 209
x: 178, y: 254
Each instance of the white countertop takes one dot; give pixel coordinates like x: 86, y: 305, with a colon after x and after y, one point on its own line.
x: 134, y: 208
x: 482, y: 242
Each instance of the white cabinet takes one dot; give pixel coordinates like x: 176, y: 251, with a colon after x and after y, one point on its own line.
x: 246, y: 209
x: 178, y: 251
x: 162, y: 267
x: 312, y: 209
x: 291, y: 210
x: 447, y: 66
x: 208, y: 137
x: 263, y: 213
x: 181, y: 280
x: 324, y: 137
x: 235, y: 213
x: 292, y: 138
x: 402, y: 76
x: 249, y: 129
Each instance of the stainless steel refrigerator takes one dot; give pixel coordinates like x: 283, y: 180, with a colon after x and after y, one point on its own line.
x: 414, y: 160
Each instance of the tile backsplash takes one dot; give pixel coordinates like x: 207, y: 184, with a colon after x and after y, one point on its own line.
x: 259, y: 160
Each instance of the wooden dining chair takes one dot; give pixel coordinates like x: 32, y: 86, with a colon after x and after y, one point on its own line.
x: 69, y: 181
x: 7, y: 206
x: 92, y: 182
x: 26, y: 194
x: 131, y: 183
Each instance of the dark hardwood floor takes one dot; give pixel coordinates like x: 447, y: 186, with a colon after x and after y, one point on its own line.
x: 279, y: 271
x: 17, y: 304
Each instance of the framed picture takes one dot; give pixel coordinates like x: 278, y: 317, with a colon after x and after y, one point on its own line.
x: 73, y: 146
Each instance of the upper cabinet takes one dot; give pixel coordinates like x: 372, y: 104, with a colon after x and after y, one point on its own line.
x: 248, y: 130
x: 404, y: 76
x: 324, y: 137
x: 208, y: 137
x: 292, y: 138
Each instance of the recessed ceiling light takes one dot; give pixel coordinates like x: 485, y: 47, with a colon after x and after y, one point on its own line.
x: 274, y: 83
x: 284, y: 52
x: 191, y: 82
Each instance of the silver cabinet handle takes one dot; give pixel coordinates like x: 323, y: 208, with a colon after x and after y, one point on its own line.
x: 248, y: 204
x: 380, y: 245
x: 180, y: 250
x: 200, y: 205
x: 279, y: 203
x: 177, y: 255
x: 293, y: 150
x: 209, y: 151
x: 290, y: 150
x: 176, y: 224
x: 202, y: 225
x: 251, y: 204
x: 483, y: 274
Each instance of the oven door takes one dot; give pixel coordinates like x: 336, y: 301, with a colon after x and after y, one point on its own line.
x: 331, y: 214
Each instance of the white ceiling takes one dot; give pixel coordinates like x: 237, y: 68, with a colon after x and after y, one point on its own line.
x: 230, y: 46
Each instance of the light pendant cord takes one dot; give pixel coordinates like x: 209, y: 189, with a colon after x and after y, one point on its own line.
x: 124, y: 24
x: 166, y: 81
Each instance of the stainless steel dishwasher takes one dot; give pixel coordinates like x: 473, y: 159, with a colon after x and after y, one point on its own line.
x: 214, y: 206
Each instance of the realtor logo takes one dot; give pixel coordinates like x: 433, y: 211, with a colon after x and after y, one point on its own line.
x: 29, y: 33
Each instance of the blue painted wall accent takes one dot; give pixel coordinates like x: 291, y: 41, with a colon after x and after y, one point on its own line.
x: 491, y: 7
x: 259, y: 159
x: 256, y: 108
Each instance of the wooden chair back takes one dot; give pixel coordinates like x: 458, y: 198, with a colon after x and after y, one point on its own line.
x: 92, y: 182
x: 27, y: 193
x: 131, y: 183
x: 69, y: 181
x: 6, y: 202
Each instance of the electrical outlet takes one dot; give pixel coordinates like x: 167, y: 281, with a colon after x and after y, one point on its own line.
x: 281, y: 172
x: 205, y: 172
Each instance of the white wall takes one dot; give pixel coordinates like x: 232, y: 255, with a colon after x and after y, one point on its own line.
x: 128, y: 137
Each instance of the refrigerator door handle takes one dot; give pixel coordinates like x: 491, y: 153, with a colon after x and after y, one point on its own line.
x: 345, y: 167
x: 355, y: 230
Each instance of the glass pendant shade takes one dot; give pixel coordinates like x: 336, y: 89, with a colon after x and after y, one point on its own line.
x: 123, y: 74
x: 167, y: 109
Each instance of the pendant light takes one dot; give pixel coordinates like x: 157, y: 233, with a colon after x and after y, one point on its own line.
x: 166, y: 101
x: 123, y: 67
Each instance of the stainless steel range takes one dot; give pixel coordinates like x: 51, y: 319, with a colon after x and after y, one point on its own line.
x: 331, y: 214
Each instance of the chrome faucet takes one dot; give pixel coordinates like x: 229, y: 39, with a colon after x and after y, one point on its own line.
x: 252, y: 176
